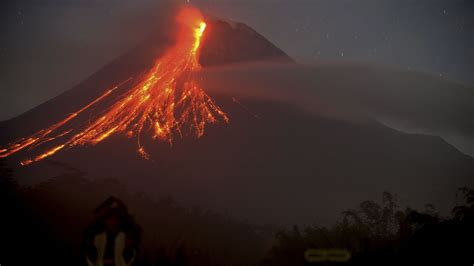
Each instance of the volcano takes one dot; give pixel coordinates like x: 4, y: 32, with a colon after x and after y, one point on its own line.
x: 272, y: 162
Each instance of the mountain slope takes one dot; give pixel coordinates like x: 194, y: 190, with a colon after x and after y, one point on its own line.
x: 309, y: 170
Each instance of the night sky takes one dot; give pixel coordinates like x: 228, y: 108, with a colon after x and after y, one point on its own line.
x: 48, y: 46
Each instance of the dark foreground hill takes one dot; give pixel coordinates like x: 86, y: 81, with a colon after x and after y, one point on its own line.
x: 48, y: 221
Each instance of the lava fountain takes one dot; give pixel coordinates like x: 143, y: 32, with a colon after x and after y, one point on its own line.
x: 167, y: 102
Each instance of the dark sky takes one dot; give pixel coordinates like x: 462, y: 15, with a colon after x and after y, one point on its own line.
x: 47, y: 46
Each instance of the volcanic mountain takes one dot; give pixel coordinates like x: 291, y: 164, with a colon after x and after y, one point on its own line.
x: 273, y: 162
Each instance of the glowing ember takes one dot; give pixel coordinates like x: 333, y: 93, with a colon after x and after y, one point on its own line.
x: 166, y: 102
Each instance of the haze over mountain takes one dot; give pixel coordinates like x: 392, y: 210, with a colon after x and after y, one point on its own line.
x: 302, y: 144
x: 406, y: 100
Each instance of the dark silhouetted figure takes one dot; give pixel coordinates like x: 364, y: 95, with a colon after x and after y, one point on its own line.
x: 113, y: 237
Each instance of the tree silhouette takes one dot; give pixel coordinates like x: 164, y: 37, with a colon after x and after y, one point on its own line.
x: 382, y: 234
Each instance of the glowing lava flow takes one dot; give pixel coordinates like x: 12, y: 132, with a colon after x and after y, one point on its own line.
x: 166, y: 102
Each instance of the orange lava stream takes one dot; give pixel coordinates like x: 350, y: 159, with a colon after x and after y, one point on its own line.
x: 166, y: 102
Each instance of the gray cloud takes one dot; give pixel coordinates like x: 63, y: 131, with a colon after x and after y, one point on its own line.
x: 406, y: 100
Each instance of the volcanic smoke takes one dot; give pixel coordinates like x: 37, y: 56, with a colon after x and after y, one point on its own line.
x: 167, y: 102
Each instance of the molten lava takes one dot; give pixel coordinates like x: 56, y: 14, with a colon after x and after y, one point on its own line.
x: 166, y: 102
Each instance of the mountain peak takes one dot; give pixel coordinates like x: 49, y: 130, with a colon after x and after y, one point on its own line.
x: 227, y: 42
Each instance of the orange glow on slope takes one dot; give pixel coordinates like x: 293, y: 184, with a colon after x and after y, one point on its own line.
x: 166, y: 102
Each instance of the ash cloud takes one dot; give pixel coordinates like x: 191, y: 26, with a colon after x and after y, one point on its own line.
x: 408, y: 101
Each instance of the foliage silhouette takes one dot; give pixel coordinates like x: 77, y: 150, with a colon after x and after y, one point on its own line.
x: 385, y: 235
x: 45, y: 224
